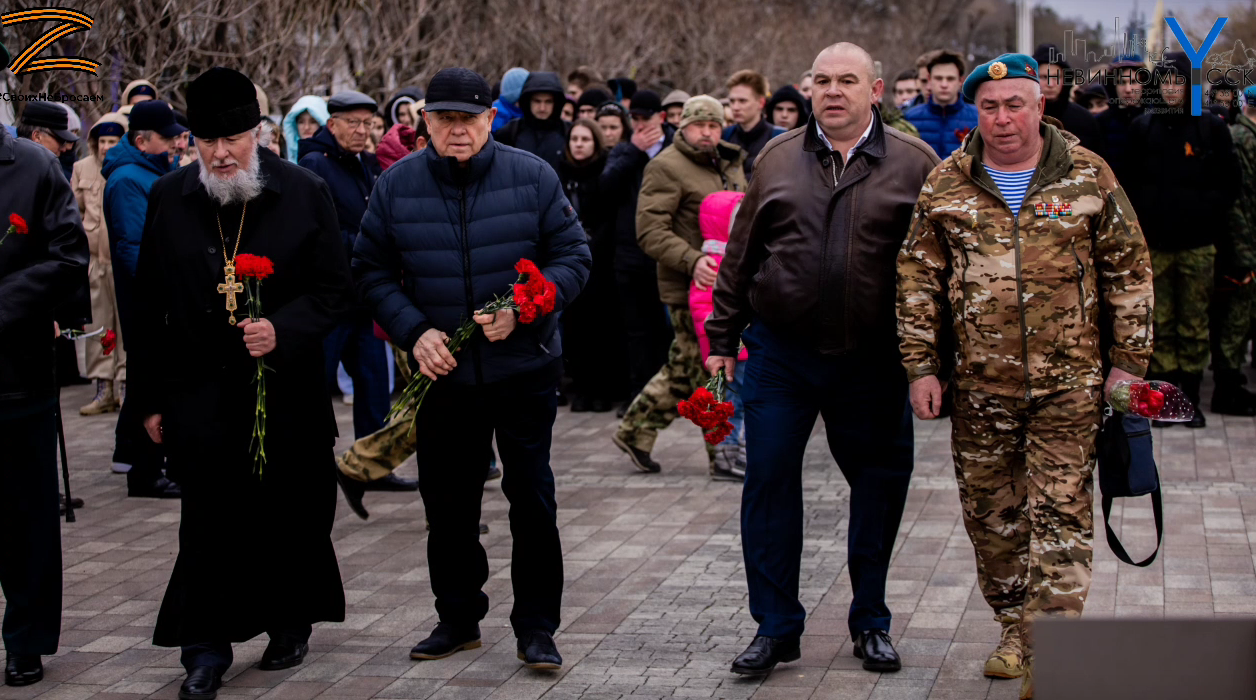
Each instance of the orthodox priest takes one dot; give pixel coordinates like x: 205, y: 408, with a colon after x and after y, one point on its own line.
x: 255, y: 550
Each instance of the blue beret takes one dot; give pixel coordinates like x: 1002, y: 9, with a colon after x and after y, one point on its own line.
x: 1009, y: 65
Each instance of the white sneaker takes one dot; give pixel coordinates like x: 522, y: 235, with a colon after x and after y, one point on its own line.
x: 120, y: 468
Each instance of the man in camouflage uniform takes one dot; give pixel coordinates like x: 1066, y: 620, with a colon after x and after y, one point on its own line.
x: 672, y: 189
x: 1235, y: 301
x: 1033, y: 278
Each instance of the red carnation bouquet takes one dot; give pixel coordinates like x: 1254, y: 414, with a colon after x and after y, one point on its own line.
x: 532, y: 296
x: 16, y: 225
x: 253, y: 269
x: 1157, y: 400
x: 708, y: 410
x: 108, y: 339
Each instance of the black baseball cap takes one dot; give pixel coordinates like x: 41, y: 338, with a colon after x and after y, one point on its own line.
x: 50, y: 116
x: 458, y: 90
x: 646, y: 103
x: 155, y: 115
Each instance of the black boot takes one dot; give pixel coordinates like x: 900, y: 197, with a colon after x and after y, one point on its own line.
x: 1229, y: 398
x: 1190, y: 387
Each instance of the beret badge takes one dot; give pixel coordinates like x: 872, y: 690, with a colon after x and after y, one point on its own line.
x: 998, y: 70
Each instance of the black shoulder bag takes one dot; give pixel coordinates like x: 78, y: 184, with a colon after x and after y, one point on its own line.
x: 1127, y: 468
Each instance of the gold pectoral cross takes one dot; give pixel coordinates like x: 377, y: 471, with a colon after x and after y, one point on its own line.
x: 231, y: 289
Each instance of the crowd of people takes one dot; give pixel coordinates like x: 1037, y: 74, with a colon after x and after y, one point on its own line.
x: 840, y: 238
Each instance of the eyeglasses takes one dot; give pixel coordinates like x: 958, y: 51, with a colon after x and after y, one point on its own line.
x: 355, y: 124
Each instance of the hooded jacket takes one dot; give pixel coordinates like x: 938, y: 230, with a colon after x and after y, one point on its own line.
x: 715, y: 218
x: 789, y: 93
x: 439, y: 241
x: 397, y: 143
x: 39, y: 272
x: 317, y: 107
x: 129, y: 177
x: 350, y: 178
x: 547, y: 138
x: 943, y: 128
x: 1025, y: 290
x: 406, y: 95
x: 126, y: 93
x: 672, y: 190
x: 88, y: 184
x: 507, y: 103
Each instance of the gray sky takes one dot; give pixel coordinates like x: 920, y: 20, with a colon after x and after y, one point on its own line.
x: 1106, y: 10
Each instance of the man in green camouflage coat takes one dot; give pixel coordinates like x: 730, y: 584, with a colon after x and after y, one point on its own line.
x: 1235, y: 301
x: 1034, y: 245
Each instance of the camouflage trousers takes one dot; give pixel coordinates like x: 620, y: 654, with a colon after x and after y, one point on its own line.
x: 1183, y: 286
x: 1025, y: 473
x: 378, y: 454
x: 655, y: 407
x: 1231, y: 326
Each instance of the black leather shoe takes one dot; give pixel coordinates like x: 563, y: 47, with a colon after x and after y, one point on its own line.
x: 353, y: 490
x: 538, y: 652
x: 764, y: 653
x: 281, y: 655
x: 446, y: 640
x: 877, y: 652
x: 392, y: 482
x: 1198, y: 421
x: 639, y: 459
x: 23, y: 669
x: 202, y: 683
x: 161, y: 488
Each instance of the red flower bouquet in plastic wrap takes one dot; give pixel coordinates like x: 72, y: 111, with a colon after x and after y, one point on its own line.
x: 1157, y: 400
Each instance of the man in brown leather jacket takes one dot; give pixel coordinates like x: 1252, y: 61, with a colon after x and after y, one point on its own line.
x: 811, y: 270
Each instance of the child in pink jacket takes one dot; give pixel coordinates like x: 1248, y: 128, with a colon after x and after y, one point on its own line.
x: 715, y: 219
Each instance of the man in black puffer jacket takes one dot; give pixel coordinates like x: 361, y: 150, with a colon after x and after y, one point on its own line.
x: 441, y: 237
x: 541, y: 130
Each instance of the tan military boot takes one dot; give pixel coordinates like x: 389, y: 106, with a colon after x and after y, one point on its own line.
x: 1027, y: 683
x: 1007, y: 659
x: 104, y: 401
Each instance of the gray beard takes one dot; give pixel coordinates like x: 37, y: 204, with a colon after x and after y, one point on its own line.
x: 246, y: 184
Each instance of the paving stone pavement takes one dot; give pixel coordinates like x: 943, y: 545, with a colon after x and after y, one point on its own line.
x: 655, y: 600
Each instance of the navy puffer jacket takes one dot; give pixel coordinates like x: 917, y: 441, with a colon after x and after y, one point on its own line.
x: 439, y: 241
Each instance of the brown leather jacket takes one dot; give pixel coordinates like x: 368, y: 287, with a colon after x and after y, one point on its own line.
x: 814, y: 247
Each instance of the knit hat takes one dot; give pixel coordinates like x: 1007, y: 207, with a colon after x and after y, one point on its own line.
x: 593, y: 97
x: 702, y: 108
x: 1007, y: 66
x: 221, y: 102
x: 512, y: 84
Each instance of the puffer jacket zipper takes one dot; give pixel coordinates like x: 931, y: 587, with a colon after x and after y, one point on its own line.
x: 466, y: 275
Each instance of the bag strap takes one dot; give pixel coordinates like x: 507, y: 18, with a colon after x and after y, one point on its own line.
x: 1115, y: 543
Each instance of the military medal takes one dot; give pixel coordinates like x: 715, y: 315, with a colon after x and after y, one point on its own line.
x: 1054, y: 210
x: 230, y: 286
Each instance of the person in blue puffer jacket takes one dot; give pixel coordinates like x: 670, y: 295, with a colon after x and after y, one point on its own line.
x: 945, y: 119
x: 441, y: 237
x: 130, y: 169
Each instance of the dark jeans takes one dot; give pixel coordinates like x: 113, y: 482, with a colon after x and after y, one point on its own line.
x: 218, y: 655
x: 863, y: 399
x: 644, y: 321
x: 30, y: 531
x: 455, y: 429
x: 354, y: 343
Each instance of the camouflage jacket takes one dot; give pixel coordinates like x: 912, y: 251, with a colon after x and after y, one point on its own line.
x: 1243, y: 216
x: 892, y: 116
x: 1025, y: 289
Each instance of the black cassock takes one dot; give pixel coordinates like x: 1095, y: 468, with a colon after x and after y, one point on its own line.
x: 255, y: 554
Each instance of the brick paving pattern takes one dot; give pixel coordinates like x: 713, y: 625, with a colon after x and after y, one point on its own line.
x: 655, y: 601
